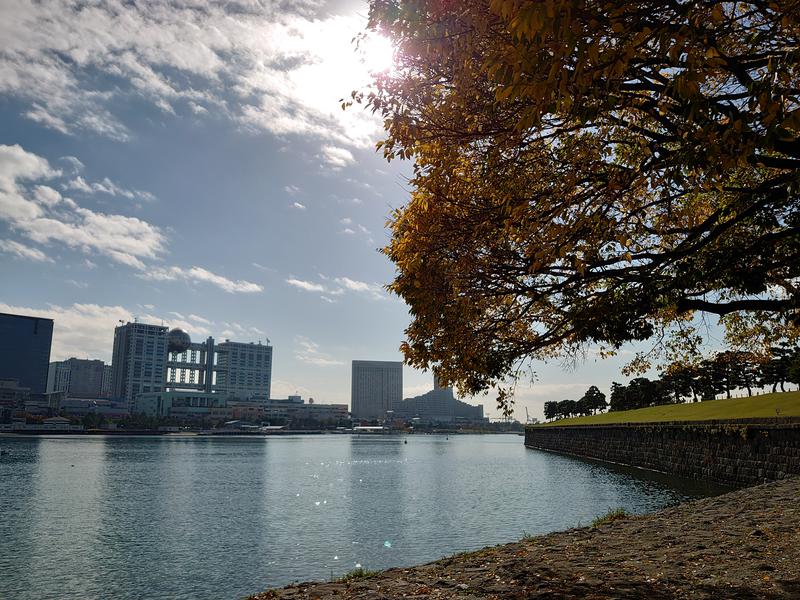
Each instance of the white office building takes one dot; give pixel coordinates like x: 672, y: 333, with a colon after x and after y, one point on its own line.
x: 58, y: 376
x: 139, y: 361
x: 376, y: 386
x: 243, y: 369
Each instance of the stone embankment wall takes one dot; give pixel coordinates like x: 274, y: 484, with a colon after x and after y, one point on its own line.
x: 739, y: 452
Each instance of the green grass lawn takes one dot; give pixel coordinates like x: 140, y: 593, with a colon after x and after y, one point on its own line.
x: 786, y: 404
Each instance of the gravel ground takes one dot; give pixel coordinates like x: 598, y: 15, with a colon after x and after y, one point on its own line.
x: 741, y: 545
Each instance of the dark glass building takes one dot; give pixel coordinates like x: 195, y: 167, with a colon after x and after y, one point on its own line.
x: 25, y: 350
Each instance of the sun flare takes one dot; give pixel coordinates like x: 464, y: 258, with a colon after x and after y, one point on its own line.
x: 376, y: 53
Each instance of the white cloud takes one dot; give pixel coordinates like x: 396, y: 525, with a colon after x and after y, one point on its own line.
x: 306, y: 285
x: 278, y: 67
x: 74, y: 162
x: 199, y: 274
x: 80, y: 330
x: 87, y: 330
x: 22, y: 251
x: 106, y: 186
x: 298, y: 206
x: 48, y: 196
x: 371, y: 289
x: 42, y: 215
x: 348, y: 231
x: 337, y: 158
x: 342, y: 286
x: 308, y: 352
x: 264, y: 268
x: 292, y: 190
x: 346, y: 221
x: 199, y: 319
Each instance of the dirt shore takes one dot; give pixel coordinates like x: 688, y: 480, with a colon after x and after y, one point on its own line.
x: 744, y: 544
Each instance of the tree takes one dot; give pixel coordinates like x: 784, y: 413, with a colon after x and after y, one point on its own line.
x: 619, y: 397
x: 550, y: 410
x: 678, y: 379
x: 793, y: 372
x: 594, y: 400
x: 587, y: 172
x: 567, y: 408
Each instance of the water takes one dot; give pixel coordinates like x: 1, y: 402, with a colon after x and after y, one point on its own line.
x: 219, y: 518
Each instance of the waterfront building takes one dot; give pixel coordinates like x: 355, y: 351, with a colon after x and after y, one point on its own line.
x: 80, y: 407
x: 294, y: 408
x: 244, y: 369
x: 58, y: 376
x: 168, y: 361
x: 183, y: 404
x: 233, y: 369
x: 198, y: 405
x: 12, y: 398
x: 105, y: 388
x: 46, y: 403
x: 190, y: 365
x: 139, y: 360
x: 78, y: 378
x: 375, y: 387
x: 438, y: 407
x: 322, y: 413
x: 25, y: 350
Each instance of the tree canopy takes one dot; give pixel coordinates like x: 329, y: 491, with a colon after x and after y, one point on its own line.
x: 588, y: 172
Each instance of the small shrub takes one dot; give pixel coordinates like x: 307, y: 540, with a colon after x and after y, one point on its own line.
x: 357, y: 573
x: 615, y: 514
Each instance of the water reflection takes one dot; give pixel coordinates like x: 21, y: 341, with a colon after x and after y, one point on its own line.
x: 199, y: 518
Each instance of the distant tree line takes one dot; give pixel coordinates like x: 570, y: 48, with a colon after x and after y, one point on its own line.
x: 592, y: 401
x: 694, y: 381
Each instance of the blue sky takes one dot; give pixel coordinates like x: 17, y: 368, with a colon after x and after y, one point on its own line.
x: 188, y: 162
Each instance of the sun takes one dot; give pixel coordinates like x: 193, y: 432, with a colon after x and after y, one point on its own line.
x: 376, y: 53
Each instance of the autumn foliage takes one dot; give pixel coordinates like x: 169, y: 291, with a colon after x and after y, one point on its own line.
x: 589, y: 173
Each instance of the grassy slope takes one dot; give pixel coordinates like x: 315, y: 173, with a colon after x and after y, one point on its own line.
x: 769, y: 405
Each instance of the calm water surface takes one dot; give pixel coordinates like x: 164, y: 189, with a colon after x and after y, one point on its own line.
x: 219, y: 518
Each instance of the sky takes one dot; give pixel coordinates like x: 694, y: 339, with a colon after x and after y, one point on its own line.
x: 188, y: 162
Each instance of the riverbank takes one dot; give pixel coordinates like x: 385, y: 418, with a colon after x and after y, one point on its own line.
x: 765, y: 407
x: 741, y: 545
x: 736, y: 452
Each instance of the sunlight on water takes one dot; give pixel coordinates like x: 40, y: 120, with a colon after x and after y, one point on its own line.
x: 211, y: 518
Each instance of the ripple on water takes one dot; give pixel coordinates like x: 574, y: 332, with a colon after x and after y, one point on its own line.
x: 213, y: 518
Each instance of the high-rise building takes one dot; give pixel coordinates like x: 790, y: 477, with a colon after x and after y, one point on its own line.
x: 149, y: 359
x: 25, y: 350
x: 139, y: 360
x: 244, y: 369
x: 78, y: 378
x: 376, y: 386
x: 190, y: 365
x: 86, y: 378
x: 58, y: 376
x: 105, y: 391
